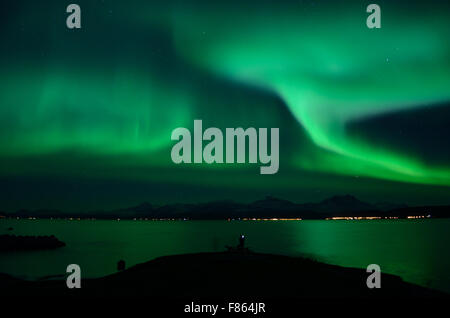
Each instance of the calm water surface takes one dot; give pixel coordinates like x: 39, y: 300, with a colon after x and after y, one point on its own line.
x: 416, y: 250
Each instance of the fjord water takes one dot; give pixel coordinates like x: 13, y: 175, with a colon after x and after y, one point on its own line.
x: 416, y: 250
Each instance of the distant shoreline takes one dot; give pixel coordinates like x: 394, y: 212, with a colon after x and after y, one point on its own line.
x: 339, y: 218
x: 345, y: 207
x: 12, y: 243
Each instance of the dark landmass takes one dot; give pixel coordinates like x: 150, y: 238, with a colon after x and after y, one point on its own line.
x: 269, y: 207
x: 20, y: 243
x: 228, y: 275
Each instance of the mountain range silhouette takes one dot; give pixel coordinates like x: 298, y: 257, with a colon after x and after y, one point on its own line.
x: 269, y: 207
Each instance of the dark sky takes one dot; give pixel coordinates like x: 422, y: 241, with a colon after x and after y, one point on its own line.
x: 86, y: 115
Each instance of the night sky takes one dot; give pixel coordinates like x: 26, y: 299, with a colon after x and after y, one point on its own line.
x: 86, y: 115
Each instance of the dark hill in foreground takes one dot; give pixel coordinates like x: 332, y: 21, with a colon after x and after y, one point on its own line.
x: 227, y: 275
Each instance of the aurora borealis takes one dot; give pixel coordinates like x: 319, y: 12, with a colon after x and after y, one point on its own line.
x: 86, y: 115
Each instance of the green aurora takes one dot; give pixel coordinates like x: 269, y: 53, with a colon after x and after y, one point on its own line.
x: 86, y: 115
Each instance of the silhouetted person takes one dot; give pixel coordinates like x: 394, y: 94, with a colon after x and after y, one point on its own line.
x: 121, y: 265
x: 241, y: 241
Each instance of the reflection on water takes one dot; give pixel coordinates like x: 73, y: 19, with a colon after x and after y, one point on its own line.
x: 417, y: 250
